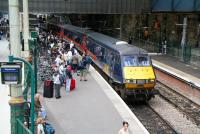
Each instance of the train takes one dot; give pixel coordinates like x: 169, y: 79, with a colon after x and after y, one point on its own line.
x: 128, y: 68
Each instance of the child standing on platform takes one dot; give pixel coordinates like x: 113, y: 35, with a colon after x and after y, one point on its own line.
x: 124, y: 129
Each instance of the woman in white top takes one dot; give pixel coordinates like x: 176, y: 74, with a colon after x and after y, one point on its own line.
x: 124, y: 129
x: 58, y: 60
x: 69, y: 57
x: 40, y: 127
x: 71, y: 45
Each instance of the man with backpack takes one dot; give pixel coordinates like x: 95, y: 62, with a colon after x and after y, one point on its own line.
x: 88, y: 61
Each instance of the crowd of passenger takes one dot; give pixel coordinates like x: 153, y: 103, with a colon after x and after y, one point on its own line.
x: 66, y: 62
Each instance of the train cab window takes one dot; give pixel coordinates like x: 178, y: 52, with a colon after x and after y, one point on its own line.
x: 143, y: 61
x: 129, y: 61
x: 91, y: 45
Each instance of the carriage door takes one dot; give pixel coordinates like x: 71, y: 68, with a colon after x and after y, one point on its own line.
x: 112, y: 65
x: 117, y: 68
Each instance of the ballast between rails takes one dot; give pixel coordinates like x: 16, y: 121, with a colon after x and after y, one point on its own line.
x: 169, y: 125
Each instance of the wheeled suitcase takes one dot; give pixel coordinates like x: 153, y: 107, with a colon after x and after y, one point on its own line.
x: 48, y: 89
x: 73, y: 84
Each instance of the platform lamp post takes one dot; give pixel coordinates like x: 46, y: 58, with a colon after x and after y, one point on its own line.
x: 11, y: 59
x: 183, y: 40
x: 35, y: 63
x: 26, y: 28
x: 33, y: 45
x: 16, y: 101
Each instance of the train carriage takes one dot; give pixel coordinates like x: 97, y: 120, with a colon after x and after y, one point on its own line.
x: 128, y: 68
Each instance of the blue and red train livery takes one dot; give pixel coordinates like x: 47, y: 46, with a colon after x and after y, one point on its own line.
x: 128, y: 68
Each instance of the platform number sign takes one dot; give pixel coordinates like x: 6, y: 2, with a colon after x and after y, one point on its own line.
x: 11, y: 72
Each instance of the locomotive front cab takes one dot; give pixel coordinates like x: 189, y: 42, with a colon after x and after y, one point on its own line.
x: 138, y: 76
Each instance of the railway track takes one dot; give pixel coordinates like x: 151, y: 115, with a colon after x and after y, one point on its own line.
x: 189, y: 107
x: 178, y: 85
x: 156, y: 121
x: 151, y: 119
x: 147, y: 115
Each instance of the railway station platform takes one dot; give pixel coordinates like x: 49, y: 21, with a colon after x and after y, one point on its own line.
x: 173, y: 66
x: 92, y: 108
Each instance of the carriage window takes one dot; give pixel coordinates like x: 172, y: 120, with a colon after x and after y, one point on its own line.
x: 78, y: 40
x: 130, y: 61
x: 143, y: 61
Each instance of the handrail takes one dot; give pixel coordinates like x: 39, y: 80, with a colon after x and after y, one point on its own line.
x: 26, y: 83
x: 11, y: 59
x: 23, y: 128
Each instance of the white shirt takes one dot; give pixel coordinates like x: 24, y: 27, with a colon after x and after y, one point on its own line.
x: 41, y: 128
x: 58, y: 61
x: 69, y: 55
x: 52, y: 45
x: 65, y: 56
x: 61, y: 69
x: 56, y: 79
x: 71, y: 45
x: 60, y: 44
x: 122, y: 131
x: 60, y: 52
x: 75, y: 52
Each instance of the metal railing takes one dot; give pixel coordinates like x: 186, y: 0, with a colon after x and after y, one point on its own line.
x: 26, y: 82
x: 22, y: 129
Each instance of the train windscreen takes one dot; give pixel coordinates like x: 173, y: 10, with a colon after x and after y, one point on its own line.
x: 136, y: 61
x: 130, y: 61
x: 143, y: 61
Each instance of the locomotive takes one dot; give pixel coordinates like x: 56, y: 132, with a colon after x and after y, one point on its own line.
x: 128, y: 68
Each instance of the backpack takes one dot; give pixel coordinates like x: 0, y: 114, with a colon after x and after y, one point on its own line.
x: 88, y: 59
x: 82, y: 64
x: 48, y: 128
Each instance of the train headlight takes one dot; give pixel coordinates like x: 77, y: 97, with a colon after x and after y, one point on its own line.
x: 130, y: 81
x: 133, y: 81
x: 151, y: 80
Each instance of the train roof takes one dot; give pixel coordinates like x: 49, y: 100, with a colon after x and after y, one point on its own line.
x: 117, y: 45
x: 122, y: 47
x: 77, y: 29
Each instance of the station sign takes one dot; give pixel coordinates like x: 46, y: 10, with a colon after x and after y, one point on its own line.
x: 11, y: 72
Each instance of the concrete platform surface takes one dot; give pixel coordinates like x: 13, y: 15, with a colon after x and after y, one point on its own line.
x: 92, y: 108
x: 183, y: 71
x: 4, y: 92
